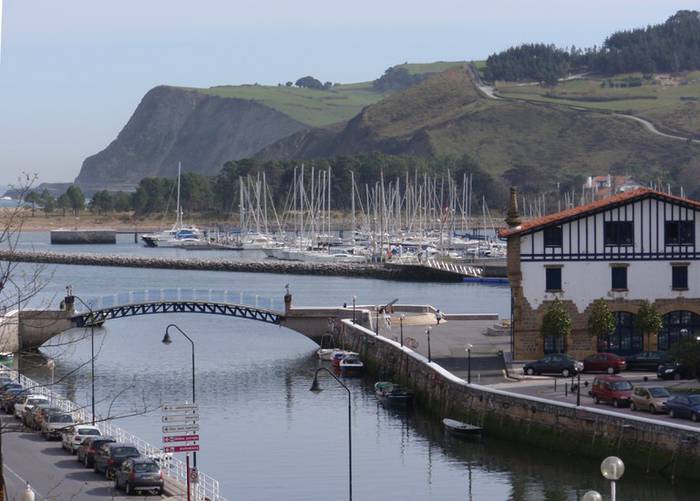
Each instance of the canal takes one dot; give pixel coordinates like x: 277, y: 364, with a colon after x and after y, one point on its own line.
x: 264, y: 434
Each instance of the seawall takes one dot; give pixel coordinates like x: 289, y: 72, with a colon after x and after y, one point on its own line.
x: 643, y: 443
x: 415, y: 274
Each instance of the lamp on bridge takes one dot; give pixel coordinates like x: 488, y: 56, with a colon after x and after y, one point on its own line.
x: 168, y: 340
x: 316, y: 388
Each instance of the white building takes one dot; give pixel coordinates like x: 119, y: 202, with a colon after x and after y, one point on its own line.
x: 632, y: 246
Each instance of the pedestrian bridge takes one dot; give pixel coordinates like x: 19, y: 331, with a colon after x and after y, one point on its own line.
x: 96, y: 310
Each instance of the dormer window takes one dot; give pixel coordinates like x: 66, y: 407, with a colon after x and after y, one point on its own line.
x: 618, y: 233
x: 553, y: 236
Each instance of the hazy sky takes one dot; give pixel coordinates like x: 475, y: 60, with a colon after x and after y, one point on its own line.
x: 72, y: 71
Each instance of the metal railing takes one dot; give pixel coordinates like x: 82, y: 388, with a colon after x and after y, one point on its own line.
x: 179, y: 294
x: 207, y: 488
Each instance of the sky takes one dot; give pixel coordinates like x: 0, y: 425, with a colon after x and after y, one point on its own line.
x: 73, y: 71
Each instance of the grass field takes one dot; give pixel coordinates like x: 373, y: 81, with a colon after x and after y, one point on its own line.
x: 436, y: 67
x: 675, y: 104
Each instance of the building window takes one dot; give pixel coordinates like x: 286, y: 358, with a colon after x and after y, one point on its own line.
x: 553, y: 236
x: 679, y: 232
x: 619, y: 278
x: 624, y: 341
x: 678, y: 325
x: 679, y: 277
x: 553, y: 279
x: 618, y: 233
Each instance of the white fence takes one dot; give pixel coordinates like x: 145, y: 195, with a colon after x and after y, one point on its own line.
x: 207, y: 489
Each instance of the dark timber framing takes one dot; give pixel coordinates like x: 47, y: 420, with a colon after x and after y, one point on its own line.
x: 651, y: 226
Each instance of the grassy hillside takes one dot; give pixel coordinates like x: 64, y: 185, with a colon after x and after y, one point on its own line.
x: 671, y: 101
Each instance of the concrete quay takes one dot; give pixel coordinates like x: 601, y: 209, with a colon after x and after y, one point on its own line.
x: 386, y: 272
x: 671, y: 448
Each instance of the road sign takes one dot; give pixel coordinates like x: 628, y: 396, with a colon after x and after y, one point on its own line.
x: 180, y: 428
x: 194, y: 475
x: 181, y: 448
x: 180, y: 438
x: 194, y: 418
x: 188, y: 412
x: 180, y: 407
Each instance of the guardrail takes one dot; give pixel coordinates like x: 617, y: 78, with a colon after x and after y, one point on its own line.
x: 207, y: 488
x: 180, y: 294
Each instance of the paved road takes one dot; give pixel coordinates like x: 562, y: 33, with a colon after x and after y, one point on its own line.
x: 544, y: 388
x: 53, y: 473
x: 490, y: 92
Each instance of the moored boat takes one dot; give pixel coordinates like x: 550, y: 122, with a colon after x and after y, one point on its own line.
x: 338, y: 355
x: 390, y: 394
x: 325, y: 353
x: 351, y: 366
x: 461, y: 429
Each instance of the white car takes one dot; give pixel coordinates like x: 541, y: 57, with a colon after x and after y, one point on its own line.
x: 29, y: 400
x: 74, y: 436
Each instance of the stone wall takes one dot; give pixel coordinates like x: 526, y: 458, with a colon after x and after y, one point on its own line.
x: 9, y: 332
x: 643, y: 443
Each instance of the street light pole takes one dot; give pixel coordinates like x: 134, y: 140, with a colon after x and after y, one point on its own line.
x: 401, y: 317
x: 578, y: 390
x: 92, y: 357
x: 612, y: 469
x: 469, y: 364
x: 316, y: 387
x: 427, y: 333
x: 354, y: 300
x: 166, y: 341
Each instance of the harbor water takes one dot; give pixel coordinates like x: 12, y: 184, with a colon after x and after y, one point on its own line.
x: 264, y: 435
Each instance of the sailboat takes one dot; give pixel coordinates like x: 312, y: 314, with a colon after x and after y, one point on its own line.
x: 180, y: 235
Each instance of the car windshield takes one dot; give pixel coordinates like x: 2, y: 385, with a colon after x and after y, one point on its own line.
x: 61, y: 418
x: 34, y: 401
x: 694, y: 399
x: 621, y: 385
x: 659, y: 392
x: 88, y: 431
x: 145, y: 467
x: 125, y: 451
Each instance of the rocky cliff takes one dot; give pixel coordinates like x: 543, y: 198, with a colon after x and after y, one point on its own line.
x: 173, y: 125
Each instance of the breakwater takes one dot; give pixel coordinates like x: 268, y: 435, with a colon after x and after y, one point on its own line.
x: 670, y: 449
x: 381, y: 271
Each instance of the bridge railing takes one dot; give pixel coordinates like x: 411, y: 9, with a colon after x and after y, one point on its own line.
x: 225, y: 296
x: 207, y: 488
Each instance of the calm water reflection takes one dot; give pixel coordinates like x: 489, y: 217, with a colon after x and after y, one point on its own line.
x: 265, y: 436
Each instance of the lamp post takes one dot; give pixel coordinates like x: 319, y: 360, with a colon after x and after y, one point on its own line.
x: 578, y: 389
x: 469, y: 363
x: 427, y: 333
x: 612, y: 469
x: 166, y: 341
x: 401, y: 317
x: 316, y: 388
x: 52, y: 366
x: 92, y: 356
x: 28, y: 494
x: 376, y: 324
x: 592, y: 496
x: 354, y: 300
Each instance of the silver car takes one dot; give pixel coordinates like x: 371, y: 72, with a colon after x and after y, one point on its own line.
x: 28, y: 401
x: 73, y: 437
x: 55, y: 424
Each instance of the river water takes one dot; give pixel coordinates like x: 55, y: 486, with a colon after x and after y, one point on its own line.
x: 264, y: 435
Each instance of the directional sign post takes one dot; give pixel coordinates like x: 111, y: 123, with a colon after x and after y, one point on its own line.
x: 180, y: 426
x: 181, y: 448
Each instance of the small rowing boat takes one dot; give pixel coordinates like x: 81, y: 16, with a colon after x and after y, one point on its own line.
x: 390, y: 394
x: 460, y: 429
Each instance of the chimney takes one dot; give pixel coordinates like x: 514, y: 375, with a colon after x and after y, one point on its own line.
x: 513, y: 216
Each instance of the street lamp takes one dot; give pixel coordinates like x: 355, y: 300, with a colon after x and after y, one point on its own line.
x: 612, y: 469
x: 592, y: 496
x: 469, y: 363
x: 401, y: 317
x: 28, y: 494
x: 354, y: 300
x: 52, y: 366
x: 92, y: 356
x: 166, y: 341
x: 316, y: 388
x: 427, y: 333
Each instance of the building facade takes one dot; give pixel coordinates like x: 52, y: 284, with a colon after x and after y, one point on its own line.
x: 636, y: 245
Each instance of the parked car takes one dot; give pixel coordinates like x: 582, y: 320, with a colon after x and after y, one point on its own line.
x: 139, y: 474
x: 674, y: 370
x: 87, y: 449
x: 55, y: 424
x: 604, y: 362
x: 28, y: 401
x: 652, y: 399
x: 557, y: 363
x: 684, y: 406
x: 612, y: 389
x: 7, y: 403
x: 39, y: 415
x: 5, y: 387
x: 74, y: 436
x: 110, y: 456
x: 646, y: 360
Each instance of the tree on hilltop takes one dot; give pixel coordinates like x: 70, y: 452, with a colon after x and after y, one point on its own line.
x: 309, y: 82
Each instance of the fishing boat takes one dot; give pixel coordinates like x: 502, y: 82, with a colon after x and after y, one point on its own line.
x: 338, y: 355
x: 460, y: 429
x: 390, y: 394
x: 351, y: 366
x: 325, y: 353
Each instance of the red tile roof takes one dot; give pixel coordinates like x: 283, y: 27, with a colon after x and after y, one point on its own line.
x: 597, y: 206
